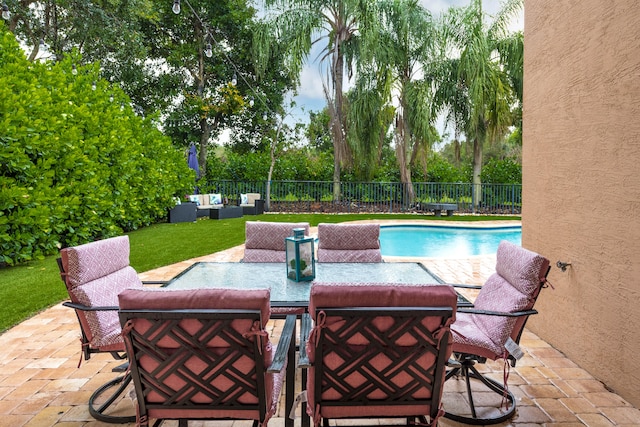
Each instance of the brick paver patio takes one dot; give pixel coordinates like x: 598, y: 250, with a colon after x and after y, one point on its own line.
x: 41, y: 385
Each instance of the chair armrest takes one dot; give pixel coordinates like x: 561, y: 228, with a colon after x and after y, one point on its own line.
x: 305, y: 330
x: 496, y: 313
x: 280, y: 358
x: 87, y: 308
x: 155, y: 282
x: 464, y: 286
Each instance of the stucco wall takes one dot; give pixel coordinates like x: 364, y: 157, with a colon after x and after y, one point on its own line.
x: 581, y: 180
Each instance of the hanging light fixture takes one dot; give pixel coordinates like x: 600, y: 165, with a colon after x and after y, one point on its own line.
x: 208, y: 50
x: 74, y: 70
x: 111, y: 98
x: 94, y: 85
x: 234, y: 80
x: 264, y: 117
x: 6, y: 14
x: 251, y: 102
x: 176, y: 7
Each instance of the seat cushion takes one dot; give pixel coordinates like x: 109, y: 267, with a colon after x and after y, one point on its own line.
x: 95, y: 273
x: 339, y: 255
x: 348, y: 236
x: 93, y: 260
x: 270, y: 235
x: 104, y: 326
x: 264, y: 255
x: 349, y: 243
x: 514, y: 287
x: 210, y: 298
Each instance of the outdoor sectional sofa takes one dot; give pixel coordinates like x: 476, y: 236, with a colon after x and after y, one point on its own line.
x: 205, y: 202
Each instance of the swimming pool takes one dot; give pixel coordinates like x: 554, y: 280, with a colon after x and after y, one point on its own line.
x: 444, y: 242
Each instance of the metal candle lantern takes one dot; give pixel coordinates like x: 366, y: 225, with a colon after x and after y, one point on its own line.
x: 301, y: 263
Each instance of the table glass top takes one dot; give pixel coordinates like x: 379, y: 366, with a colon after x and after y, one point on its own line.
x: 285, y: 292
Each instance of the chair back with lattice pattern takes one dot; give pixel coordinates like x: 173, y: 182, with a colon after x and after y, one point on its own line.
x: 200, y: 354
x: 378, y: 350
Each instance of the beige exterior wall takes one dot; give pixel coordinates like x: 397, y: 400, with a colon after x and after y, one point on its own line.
x: 581, y: 180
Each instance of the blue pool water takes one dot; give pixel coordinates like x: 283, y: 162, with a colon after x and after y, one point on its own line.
x: 444, y: 242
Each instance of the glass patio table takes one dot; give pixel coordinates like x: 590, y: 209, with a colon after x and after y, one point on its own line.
x: 288, y: 293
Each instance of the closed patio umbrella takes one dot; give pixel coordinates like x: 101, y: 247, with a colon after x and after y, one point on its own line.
x: 193, y: 160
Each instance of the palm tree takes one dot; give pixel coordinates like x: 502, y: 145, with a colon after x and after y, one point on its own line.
x: 395, y: 70
x: 340, y: 22
x: 474, y: 86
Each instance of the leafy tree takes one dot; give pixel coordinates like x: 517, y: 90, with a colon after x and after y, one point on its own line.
x: 474, y: 86
x: 76, y: 163
x: 318, y: 132
x: 502, y: 171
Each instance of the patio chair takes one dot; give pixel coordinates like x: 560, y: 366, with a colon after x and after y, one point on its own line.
x: 203, y: 354
x: 349, y: 243
x: 377, y: 350
x: 251, y: 204
x: 94, y: 274
x: 491, y: 329
x: 264, y: 241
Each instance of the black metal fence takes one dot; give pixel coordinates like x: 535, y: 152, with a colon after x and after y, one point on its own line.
x: 370, y: 197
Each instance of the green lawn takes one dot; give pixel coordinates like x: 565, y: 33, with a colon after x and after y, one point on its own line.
x: 30, y: 288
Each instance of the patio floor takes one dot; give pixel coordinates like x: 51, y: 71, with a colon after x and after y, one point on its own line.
x: 41, y: 385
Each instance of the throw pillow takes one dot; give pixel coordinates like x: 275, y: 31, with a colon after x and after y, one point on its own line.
x: 215, y: 199
x: 194, y: 198
x: 244, y: 200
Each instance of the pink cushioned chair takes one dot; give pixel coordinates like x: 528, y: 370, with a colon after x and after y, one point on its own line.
x: 377, y: 350
x: 203, y: 354
x: 94, y: 274
x: 500, y: 312
x: 349, y: 243
x: 264, y: 241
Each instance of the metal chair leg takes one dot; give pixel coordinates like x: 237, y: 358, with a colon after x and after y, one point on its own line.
x: 97, y: 410
x: 469, y: 372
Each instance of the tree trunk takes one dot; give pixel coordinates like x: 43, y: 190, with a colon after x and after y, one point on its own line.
x: 271, y: 166
x: 338, y: 128
x: 404, y: 164
x: 205, y: 130
x: 477, y: 170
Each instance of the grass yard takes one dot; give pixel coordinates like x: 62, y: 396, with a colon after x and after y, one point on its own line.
x: 30, y: 288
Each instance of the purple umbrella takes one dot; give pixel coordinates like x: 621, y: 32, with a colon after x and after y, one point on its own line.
x: 193, y: 160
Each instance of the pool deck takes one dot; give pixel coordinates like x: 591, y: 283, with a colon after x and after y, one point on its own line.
x: 41, y: 385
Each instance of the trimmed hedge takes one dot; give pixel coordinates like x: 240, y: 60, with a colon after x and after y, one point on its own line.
x: 76, y: 163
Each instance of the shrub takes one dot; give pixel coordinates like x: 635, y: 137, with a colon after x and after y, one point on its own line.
x: 76, y: 163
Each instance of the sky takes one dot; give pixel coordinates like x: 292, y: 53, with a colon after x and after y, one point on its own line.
x: 310, y: 93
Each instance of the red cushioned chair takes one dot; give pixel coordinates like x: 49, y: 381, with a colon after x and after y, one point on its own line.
x: 498, y: 317
x: 264, y: 241
x: 94, y: 274
x: 377, y: 350
x: 349, y: 243
x: 203, y: 354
